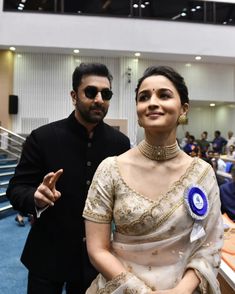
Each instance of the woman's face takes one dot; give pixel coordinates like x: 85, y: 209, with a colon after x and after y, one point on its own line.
x: 158, y: 104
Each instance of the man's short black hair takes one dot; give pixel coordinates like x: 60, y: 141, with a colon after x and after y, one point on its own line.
x: 85, y: 69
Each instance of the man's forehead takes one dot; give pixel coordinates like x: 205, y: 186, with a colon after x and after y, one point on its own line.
x: 94, y: 79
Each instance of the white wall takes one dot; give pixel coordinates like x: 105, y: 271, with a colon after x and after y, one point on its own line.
x: 43, y: 83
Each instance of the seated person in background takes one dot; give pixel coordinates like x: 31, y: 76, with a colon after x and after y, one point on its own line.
x: 227, y: 196
x: 231, y: 140
x: 209, y: 156
x: 231, y: 152
x: 203, y: 144
x: 220, y: 179
x: 221, y: 164
x: 191, y: 145
x: 184, y: 140
x: 218, y: 143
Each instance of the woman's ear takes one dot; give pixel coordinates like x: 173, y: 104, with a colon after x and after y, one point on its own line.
x: 185, y: 108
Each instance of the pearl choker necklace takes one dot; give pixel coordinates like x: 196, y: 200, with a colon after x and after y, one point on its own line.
x: 158, y: 152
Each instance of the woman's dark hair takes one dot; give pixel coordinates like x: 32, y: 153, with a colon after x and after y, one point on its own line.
x: 85, y: 69
x: 170, y: 74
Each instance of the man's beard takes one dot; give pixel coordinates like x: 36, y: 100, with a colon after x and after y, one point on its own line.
x: 89, y: 115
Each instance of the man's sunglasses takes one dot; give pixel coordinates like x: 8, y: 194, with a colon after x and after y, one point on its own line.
x: 92, y: 91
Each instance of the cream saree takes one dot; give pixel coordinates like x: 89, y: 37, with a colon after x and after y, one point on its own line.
x: 157, y: 240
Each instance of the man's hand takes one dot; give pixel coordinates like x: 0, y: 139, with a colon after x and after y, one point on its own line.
x: 46, y: 193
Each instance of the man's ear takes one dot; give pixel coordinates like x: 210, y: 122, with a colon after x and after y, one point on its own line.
x: 74, y: 97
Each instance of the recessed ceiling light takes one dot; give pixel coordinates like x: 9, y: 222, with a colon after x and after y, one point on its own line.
x: 183, y: 14
x: 135, y: 5
x: 198, y: 57
x: 212, y: 104
x: 76, y: 51
x: 142, y: 6
x: 12, y: 48
x: 137, y: 54
x: 193, y: 9
x: 198, y: 7
x: 20, y: 8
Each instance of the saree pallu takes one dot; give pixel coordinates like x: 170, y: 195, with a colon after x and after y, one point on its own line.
x: 157, y: 241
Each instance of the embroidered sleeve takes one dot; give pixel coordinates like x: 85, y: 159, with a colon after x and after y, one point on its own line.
x: 125, y: 283
x: 203, y: 286
x: 99, y: 203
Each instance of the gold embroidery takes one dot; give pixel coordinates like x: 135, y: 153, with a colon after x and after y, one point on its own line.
x: 135, y: 214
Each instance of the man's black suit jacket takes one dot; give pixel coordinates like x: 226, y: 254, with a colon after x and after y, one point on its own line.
x: 55, y: 246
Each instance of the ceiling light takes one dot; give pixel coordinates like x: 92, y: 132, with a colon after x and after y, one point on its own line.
x: 183, y: 14
x: 146, y: 2
x: 193, y: 9
x: 20, y: 8
x: 198, y: 7
x: 225, y: 1
x: 225, y: 22
x: 21, y: 5
x: 76, y: 51
x: 142, y: 6
x: 137, y: 54
x: 23, y: 1
x: 12, y: 48
x: 188, y: 64
x: 198, y: 57
x: 212, y: 104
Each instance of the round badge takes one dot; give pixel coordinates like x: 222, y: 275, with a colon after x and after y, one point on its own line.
x: 196, y: 202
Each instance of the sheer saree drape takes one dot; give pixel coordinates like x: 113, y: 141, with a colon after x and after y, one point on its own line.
x: 152, y: 238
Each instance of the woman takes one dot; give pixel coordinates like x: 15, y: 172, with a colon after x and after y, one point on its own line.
x: 164, y: 204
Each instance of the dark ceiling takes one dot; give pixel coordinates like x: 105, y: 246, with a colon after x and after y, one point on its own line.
x: 178, y: 10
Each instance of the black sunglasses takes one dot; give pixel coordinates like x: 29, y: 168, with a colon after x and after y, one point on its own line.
x: 92, y: 91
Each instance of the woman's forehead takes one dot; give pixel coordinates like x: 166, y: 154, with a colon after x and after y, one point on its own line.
x: 157, y: 82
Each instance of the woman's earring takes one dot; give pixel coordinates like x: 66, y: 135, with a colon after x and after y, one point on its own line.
x: 182, y: 120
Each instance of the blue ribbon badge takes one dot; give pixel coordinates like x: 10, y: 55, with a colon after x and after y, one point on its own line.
x: 196, y: 202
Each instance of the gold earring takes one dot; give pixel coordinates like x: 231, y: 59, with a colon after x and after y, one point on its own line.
x: 182, y: 120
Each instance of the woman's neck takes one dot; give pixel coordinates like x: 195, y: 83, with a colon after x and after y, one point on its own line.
x: 160, y: 139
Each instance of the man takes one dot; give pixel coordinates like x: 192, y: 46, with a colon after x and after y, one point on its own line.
x: 231, y: 141
x: 203, y: 145
x: 52, y: 179
x: 227, y: 196
x: 218, y: 142
x: 221, y: 165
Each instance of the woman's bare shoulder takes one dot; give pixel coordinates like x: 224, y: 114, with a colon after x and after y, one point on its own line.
x: 128, y: 156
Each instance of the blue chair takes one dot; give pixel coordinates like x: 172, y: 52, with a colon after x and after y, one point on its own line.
x: 228, y: 167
